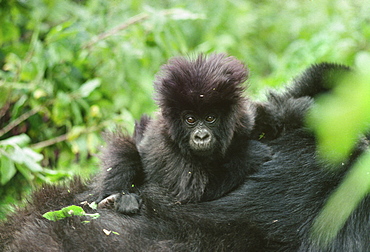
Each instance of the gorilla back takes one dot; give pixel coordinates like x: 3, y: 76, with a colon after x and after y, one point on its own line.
x: 272, y: 211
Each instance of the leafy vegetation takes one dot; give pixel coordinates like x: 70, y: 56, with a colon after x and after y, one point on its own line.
x: 68, y: 212
x: 337, y: 120
x: 72, y: 69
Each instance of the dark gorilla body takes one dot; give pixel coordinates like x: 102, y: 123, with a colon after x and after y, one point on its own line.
x: 272, y: 210
x: 197, y: 147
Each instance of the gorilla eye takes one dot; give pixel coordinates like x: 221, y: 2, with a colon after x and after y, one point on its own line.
x: 210, y: 119
x: 190, y: 120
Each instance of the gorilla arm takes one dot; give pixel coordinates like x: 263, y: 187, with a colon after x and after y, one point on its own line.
x: 122, y: 173
x: 285, y: 110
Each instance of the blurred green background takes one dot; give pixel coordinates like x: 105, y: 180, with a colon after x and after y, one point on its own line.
x: 72, y: 69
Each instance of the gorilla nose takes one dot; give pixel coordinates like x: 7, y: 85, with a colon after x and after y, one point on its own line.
x: 202, y: 136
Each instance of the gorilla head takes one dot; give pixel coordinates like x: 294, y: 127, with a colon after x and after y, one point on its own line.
x: 202, y: 102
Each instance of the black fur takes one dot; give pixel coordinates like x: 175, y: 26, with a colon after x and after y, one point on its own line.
x: 287, y: 109
x: 273, y: 210
x: 324, y: 75
x: 192, y: 162
x: 27, y: 230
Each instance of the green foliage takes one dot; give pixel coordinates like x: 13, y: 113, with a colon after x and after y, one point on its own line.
x: 339, y: 119
x: 68, y: 212
x: 15, y: 156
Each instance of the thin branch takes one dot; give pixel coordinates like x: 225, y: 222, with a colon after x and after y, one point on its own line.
x: 64, y: 137
x: 135, y: 19
x: 131, y: 21
x: 19, y: 120
x: 4, y: 109
x: 49, y: 142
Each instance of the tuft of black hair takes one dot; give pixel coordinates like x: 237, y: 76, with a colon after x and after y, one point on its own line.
x: 200, y: 84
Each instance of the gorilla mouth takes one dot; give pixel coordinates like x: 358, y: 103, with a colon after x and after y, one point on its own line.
x: 201, y: 148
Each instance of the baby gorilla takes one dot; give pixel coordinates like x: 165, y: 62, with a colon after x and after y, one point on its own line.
x: 196, y: 149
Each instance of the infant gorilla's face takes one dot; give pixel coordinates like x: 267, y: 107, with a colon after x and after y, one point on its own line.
x: 201, y: 127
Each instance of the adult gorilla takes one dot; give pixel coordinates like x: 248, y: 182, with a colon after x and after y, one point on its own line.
x: 272, y: 211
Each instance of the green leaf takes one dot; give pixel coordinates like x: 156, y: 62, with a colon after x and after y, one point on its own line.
x: 75, y: 132
x: 64, y: 213
x: 16, y: 154
x: 68, y: 212
x: 9, y: 31
x: 76, y: 112
x: 32, y: 165
x: 61, y: 109
x: 27, y: 157
x: 89, y: 86
x: 37, y: 157
x: 55, y: 176
x: 19, y: 105
x: 25, y: 172
x: 20, y: 140
x: 339, y: 118
x: 61, y: 32
x: 7, y: 169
